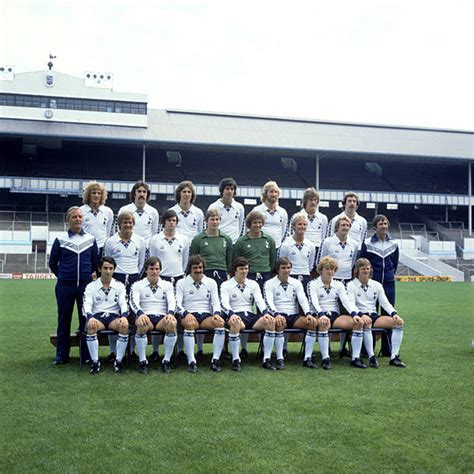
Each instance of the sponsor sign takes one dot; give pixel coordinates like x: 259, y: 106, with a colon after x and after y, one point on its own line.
x: 39, y: 276
x: 6, y: 276
x: 424, y: 278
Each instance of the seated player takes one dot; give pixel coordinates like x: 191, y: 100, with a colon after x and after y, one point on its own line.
x: 105, y: 307
x: 324, y: 295
x: 282, y: 294
x: 152, y: 300
x: 238, y: 296
x: 197, y: 300
x: 366, y: 292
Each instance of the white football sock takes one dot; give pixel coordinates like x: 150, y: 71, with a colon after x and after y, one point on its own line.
x: 309, y: 342
x: 323, y: 339
x: 141, y: 340
x: 218, y: 343
x: 279, y: 342
x: 369, y: 342
x: 234, y: 343
x: 122, y: 344
x: 169, y: 343
x: 357, y: 338
x: 397, y: 337
x: 93, y: 346
x: 268, y: 342
x: 189, y: 341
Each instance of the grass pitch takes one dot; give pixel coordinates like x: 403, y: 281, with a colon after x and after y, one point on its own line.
x: 61, y: 419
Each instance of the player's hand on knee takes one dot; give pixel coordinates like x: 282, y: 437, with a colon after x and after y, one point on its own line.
x: 311, y: 322
x: 324, y: 322
x: 190, y: 322
x: 234, y: 323
x: 218, y: 321
x: 398, y: 321
x: 142, y: 321
x: 367, y: 321
x: 280, y: 322
x: 92, y: 325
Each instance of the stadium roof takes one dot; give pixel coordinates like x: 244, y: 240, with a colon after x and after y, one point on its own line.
x: 179, y: 128
x: 213, y: 129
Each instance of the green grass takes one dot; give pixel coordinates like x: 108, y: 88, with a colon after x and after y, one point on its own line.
x: 61, y: 419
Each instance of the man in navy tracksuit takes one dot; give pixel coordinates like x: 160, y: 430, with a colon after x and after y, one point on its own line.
x: 74, y: 257
x: 382, y: 252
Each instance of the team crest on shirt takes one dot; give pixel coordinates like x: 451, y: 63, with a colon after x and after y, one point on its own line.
x: 225, y: 244
x: 147, y: 295
x: 98, y: 297
x: 234, y: 296
x: 162, y: 248
x: 278, y: 293
x: 249, y: 245
x: 191, y: 292
x: 206, y: 243
x: 267, y: 246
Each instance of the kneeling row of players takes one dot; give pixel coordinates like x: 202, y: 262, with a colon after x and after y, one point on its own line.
x: 194, y: 303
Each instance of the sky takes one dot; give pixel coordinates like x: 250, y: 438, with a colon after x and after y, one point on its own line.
x: 390, y: 62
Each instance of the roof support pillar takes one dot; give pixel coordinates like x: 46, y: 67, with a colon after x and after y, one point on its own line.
x: 469, y: 187
x: 317, y: 174
x: 143, y: 162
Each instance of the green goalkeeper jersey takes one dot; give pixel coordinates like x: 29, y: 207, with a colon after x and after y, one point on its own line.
x: 259, y: 251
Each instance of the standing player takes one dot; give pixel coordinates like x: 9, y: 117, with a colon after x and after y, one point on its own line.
x: 276, y: 218
x: 152, y: 300
x: 282, y: 295
x: 317, y: 222
x: 342, y: 248
x: 238, y: 296
x: 190, y: 217
x: 73, y: 259
x: 215, y: 247
x: 325, y: 293
x: 366, y: 293
x: 171, y: 247
x: 232, y: 212
x: 98, y: 218
x: 128, y: 250
x: 257, y: 247
x: 197, y: 299
x: 105, y: 306
x: 382, y: 252
x: 299, y: 250
x: 146, y: 217
x: 351, y: 203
